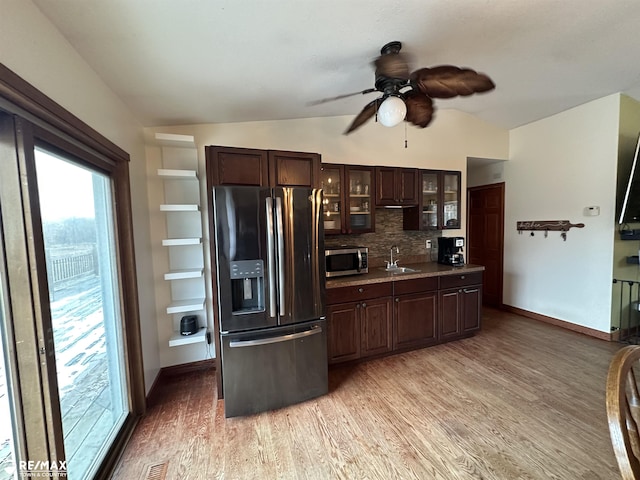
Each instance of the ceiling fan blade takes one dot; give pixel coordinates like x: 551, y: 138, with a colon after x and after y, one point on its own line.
x: 419, y: 108
x: 366, y: 113
x: 446, y: 81
x: 339, y: 97
x: 392, y: 65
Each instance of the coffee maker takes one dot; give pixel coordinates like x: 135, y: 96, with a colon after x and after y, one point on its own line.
x: 449, y: 249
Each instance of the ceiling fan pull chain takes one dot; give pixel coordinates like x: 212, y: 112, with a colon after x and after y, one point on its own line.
x: 405, y: 134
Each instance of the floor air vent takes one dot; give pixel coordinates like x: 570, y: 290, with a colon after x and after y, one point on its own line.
x: 157, y: 471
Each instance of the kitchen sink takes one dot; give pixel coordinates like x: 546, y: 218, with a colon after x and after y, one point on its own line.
x: 399, y: 270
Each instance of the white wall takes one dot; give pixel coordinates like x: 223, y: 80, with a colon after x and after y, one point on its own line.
x: 556, y: 168
x: 485, y: 172
x: 34, y: 49
x: 445, y: 144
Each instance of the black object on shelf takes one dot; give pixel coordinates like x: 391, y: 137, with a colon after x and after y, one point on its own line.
x: 633, y: 260
x: 189, y: 325
x: 629, y: 234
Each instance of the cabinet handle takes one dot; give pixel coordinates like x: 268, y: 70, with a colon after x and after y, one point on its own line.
x: 397, y: 299
x: 461, y: 277
x: 357, y: 305
x: 361, y: 290
x: 467, y: 290
x: 364, y: 305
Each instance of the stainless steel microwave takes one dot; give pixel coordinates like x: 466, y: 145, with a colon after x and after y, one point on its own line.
x: 346, y: 260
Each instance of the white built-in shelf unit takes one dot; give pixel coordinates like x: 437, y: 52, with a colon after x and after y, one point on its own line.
x: 182, y: 196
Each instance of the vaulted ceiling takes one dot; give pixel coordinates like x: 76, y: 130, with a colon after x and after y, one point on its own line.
x: 178, y: 62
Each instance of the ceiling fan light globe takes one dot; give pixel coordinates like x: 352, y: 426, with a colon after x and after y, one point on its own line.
x: 392, y: 111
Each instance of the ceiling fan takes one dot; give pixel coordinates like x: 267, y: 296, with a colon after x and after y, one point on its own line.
x: 408, y: 96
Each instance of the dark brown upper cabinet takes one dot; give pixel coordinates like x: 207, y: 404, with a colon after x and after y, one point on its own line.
x: 396, y: 186
x: 237, y: 166
x: 438, y: 203
x: 261, y: 168
x: 294, y: 169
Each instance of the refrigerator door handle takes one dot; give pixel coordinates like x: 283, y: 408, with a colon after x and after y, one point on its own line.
x: 314, y: 330
x: 280, y: 246
x: 271, y: 264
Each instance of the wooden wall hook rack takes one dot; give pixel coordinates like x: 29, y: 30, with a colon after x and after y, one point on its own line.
x: 547, y: 226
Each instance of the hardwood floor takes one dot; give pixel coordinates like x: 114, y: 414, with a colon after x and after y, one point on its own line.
x: 521, y: 399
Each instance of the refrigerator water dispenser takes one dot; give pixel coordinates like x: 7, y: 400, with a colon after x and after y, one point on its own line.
x: 247, y: 286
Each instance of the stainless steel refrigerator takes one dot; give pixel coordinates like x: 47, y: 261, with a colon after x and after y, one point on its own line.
x: 270, y: 284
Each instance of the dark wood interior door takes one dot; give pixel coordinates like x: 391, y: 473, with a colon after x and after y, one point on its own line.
x: 485, y: 238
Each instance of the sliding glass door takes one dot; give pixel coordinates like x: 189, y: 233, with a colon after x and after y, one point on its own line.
x: 8, y: 464
x: 69, y: 309
x: 84, y: 301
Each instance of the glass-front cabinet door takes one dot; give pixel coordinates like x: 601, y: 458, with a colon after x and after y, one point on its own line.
x: 332, y: 207
x: 451, y: 200
x: 348, y: 203
x: 430, y: 201
x: 359, y: 199
x: 439, y: 205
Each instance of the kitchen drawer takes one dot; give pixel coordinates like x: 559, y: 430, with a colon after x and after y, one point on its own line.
x: 358, y: 292
x: 416, y: 285
x: 460, y: 280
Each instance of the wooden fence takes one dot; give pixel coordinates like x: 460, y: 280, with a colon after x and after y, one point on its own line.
x: 62, y: 267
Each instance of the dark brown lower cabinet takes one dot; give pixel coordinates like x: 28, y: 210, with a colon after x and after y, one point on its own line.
x: 358, y: 321
x: 381, y: 318
x: 460, y: 306
x: 415, y: 313
x: 471, y: 308
x: 450, y: 313
x: 360, y: 329
x: 343, y: 332
x: 375, y: 327
x: 415, y: 320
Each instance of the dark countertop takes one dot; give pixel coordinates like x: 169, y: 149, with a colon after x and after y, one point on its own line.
x: 379, y: 275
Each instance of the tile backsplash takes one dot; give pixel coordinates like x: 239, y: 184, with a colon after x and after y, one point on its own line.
x: 389, y: 232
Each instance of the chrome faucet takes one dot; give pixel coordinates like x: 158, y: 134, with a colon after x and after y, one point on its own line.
x: 393, y: 264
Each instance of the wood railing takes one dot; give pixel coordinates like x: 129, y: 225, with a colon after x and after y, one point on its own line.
x: 76, y: 263
x: 629, y: 310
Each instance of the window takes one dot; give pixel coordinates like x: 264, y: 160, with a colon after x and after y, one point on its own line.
x: 69, y: 311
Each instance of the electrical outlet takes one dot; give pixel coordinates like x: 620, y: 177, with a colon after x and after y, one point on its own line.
x: 427, y: 244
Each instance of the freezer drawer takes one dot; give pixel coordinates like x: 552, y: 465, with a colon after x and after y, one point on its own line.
x: 272, y: 368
